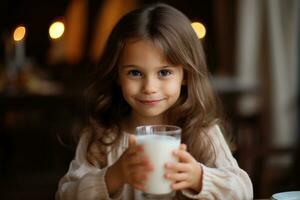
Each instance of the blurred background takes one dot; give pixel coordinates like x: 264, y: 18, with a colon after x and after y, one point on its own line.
x: 48, y: 48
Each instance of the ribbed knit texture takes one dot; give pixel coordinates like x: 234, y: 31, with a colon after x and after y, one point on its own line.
x: 225, y: 180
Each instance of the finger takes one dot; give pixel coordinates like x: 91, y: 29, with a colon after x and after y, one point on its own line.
x: 136, y: 160
x: 177, y: 176
x: 183, y: 147
x: 181, y: 167
x: 180, y: 185
x: 139, y: 186
x: 131, y: 141
x: 139, y: 175
x: 133, y: 147
x: 183, y: 156
x: 136, y: 150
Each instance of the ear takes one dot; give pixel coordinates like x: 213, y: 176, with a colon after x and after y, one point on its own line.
x: 184, y: 82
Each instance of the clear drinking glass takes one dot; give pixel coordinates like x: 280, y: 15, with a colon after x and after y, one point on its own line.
x: 159, y: 141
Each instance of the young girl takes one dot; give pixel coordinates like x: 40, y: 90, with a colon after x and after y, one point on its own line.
x: 153, y: 71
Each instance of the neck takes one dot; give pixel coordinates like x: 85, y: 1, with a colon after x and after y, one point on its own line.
x: 135, y: 120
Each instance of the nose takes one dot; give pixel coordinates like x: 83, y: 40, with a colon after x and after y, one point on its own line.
x: 149, y: 85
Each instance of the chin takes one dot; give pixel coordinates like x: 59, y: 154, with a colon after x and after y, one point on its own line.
x: 151, y: 114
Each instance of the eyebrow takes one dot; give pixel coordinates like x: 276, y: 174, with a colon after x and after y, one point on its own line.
x: 137, y: 66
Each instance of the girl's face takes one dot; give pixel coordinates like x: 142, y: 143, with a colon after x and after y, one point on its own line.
x: 149, y: 83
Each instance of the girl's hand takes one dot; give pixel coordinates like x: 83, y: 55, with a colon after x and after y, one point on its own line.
x: 132, y: 167
x: 185, y: 174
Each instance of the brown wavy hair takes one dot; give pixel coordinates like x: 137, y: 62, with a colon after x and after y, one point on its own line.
x: 196, y: 109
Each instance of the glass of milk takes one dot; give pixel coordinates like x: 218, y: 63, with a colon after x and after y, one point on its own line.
x: 158, y: 141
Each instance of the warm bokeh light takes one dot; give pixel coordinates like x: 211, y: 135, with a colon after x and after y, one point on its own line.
x: 19, y: 33
x: 200, y: 29
x: 56, y: 30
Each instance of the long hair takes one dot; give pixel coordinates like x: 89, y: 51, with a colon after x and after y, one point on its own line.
x: 195, y: 111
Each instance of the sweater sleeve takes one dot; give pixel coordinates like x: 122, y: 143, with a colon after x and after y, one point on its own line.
x: 225, y: 180
x: 83, y: 180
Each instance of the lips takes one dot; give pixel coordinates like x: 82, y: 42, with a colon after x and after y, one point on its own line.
x: 150, y: 102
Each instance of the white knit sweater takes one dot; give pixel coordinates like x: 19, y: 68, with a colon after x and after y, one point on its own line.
x: 225, y: 180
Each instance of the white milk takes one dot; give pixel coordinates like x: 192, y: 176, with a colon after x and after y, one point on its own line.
x: 159, y: 150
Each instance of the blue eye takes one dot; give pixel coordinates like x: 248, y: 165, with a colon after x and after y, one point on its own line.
x: 134, y: 73
x: 164, y: 72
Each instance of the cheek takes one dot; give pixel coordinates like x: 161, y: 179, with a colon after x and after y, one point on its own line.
x: 173, y: 89
x: 129, y: 88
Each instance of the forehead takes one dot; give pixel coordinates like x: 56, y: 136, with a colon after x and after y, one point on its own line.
x: 141, y: 50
